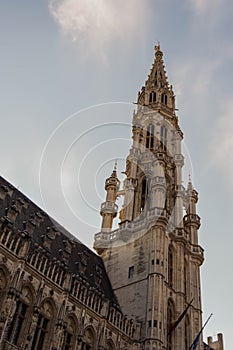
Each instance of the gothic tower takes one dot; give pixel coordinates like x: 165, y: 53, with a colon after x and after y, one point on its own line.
x: 153, y: 259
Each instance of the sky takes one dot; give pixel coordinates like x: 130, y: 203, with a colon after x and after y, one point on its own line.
x: 69, y: 72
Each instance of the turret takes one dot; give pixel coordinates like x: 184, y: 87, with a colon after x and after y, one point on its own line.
x: 109, y: 208
x: 216, y: 344
x: 192, y: 220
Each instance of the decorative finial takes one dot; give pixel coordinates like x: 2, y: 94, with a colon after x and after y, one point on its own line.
x: 115, y: 166
x: 190, y: 186
x: 190, y: 177
x: 157, y: 47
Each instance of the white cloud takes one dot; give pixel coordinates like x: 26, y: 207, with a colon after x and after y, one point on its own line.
x: 195, y: 77
x: 97, y: 23
x: 203, y: 6
x: 221, y: 142
x: 209, y: 14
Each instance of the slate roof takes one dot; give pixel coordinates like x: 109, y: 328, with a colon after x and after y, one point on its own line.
x: 55, y: 239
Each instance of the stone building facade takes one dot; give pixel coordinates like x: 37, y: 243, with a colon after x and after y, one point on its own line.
x: 54, y: 291
x: 56, y: 294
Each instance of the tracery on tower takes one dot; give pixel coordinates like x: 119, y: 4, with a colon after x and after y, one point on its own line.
x: 155, y: 240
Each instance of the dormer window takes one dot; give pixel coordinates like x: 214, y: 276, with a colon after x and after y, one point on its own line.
x: 152, y: 97
x: 164, y: 99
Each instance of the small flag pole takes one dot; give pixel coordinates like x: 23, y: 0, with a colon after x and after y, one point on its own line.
x: 196, y: 340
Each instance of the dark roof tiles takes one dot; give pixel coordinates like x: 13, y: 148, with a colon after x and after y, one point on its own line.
x: 58, y: 243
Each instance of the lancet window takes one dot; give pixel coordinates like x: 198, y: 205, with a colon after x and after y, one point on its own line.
x: 17, y: 322
x: 152, y: 97
x: 164, y: 98
x: 150, y: 137
x: 42, y: 327
x: 163, y: 137
x: 169, y: 325
x: 144, y: 193
x: 170, y: 266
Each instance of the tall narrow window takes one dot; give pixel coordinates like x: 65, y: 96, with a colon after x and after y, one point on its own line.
x: 185, y: 278
x: 170, y: 266
x: 164, y: 98
x: 144, y: 194
x: 67, y: 340
x: 152, y: 97
x: 40, y: 333
x: 150, y: 137
x: 69, y: 332
x: 17, y: 322
x: 187, y: 334
x: 88, y: 341
x: 169, y: 325
x: 156, y: 81
x: 163, y: 137
x: 131, y: 272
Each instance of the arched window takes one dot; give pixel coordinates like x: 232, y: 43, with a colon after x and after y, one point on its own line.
x: 144, y: 194
x: 163, y: 137
x: 110, y: 345
x: 3, y: 284
x: 152, y: 97
x: 88, y: 341
x: 69, y: 333
x: 42, y: 326
x: 19, y: 321
x: 150, y: 137
x: 164, y: 99
x: 170, y: 266
x: 169, y: 325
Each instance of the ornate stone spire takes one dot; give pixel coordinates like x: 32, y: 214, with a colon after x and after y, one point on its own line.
x: 109, y: 208
x: 157, y: 77
x: 157, y: 93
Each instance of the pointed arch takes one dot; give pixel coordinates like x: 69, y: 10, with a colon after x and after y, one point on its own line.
x: 152, y: 97
x: 28, y: 293
x: 110, y: 345
x: 44, y: 324
x: 89, y: 339
x: 70, y: 331
x: 23, y: 313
